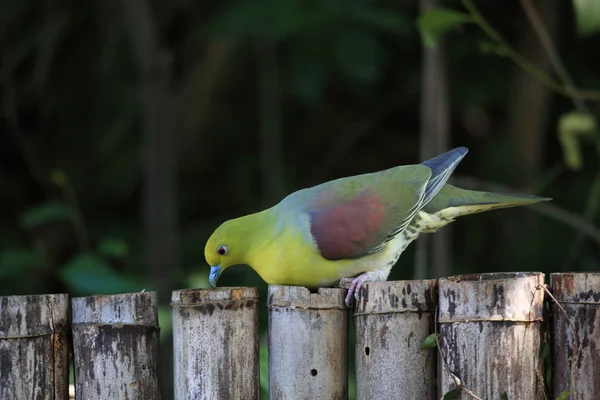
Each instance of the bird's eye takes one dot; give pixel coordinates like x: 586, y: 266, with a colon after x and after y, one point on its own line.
x: 222, y: 250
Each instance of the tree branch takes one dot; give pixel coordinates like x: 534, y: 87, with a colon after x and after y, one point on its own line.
x: 508, y: 51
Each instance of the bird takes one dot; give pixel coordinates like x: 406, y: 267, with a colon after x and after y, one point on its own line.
x: 349, y: 230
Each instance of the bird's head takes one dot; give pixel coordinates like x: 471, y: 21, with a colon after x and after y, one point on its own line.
x: 226, y: 247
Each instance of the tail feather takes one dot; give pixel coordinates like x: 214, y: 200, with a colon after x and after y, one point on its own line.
x: 442, y: 167
x: 452, y: 202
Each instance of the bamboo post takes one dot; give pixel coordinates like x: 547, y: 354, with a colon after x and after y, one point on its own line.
x: 308, y: 343
x: 34, y: 347
x: 392, y: 320
x: 115, y: 347
x: 490, y: 335
x: 215, y: 343
x: 576, y: 335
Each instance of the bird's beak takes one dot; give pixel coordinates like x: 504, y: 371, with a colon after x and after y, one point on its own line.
x: 215, y: 272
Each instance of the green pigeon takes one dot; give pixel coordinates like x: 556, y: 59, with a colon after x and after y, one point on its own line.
x: 350, y: 230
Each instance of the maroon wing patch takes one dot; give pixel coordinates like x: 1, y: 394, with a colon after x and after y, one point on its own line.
x: 346, y: 230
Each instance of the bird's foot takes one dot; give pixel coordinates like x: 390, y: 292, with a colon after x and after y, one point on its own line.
x: 355, y: 283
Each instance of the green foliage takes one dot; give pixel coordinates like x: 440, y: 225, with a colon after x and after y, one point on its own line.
x: 572, y: 128
x: 437, y: 22
x: 453, y: 394
x: 87, y: 273
x: 430, y: 342
x: 326, y: 40
x: 587, y: 16
x: 264, y: 365
x: 44, y: 214
x: 545, y: 350
x: 19, y: 261
x: 563, y: 395
x: 165, y: 322
x: 112, y: 247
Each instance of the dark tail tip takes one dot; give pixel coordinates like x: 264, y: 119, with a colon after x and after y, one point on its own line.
x: 448, y: 159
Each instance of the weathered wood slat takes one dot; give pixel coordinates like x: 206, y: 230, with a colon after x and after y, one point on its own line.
x: 576, y: 335
x: 490, y: 334
x: 308, y: 343
x: 34, y: 347
x: 215, y: 341
x: 115, y: 347
x: 392, y: 320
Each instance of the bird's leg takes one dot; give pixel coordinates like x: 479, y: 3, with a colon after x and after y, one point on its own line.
x: 354, y: 284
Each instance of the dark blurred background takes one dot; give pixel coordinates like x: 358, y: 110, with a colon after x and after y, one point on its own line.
x: 131, y: 129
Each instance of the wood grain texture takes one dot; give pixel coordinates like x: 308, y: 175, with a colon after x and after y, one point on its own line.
x: 115, y: 347
x: 308, y: 343
x: 392, y: 320
x: 34, y: 347
x: 576, y: 334
x: 490, y: 328
x: 215, y: 343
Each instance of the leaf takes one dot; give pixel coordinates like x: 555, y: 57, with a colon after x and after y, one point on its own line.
x: 19, y: 260
x: 572, y: 127
x: 492, y: 48
x: 587, y: 16
x: 264, y: 365
x: 276, y: 19
x: 198, y: 280
x: 59, y: 177
x: 563, y: 395
x: 504, y: 396
x: 429, y: 342
x: 436, y: 22
x: 113, y: 248
x: 165, y: 322
x: 452, y: 394
x: 47, y: 213
x: 545, y: 351
x: 549, y: 375
x: 88, y: 274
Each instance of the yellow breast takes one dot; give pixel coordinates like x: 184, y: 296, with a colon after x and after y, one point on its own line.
x: 292, y: 259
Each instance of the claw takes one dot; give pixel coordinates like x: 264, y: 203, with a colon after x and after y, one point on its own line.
x: 354, y: 289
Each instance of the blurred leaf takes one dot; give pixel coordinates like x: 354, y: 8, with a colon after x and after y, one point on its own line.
x: 545, y: 350
x: 276, y: 19
x: 563, y: 395
x: 88, y: 274
x: 19, y: 261
x: 264, y: 365
x: 47, y: 213
x: 429, y: 342
x: 572, y: 127
x: 487, y: 48
x: 435, y: 23
x: 165, y: 322
x: 198, y: 280
x: 452, y: 394
x: 587, y: 16
x: 504, y: 396
x: 113, y: 247
x: 359, y: 55
x: 59, y: 177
